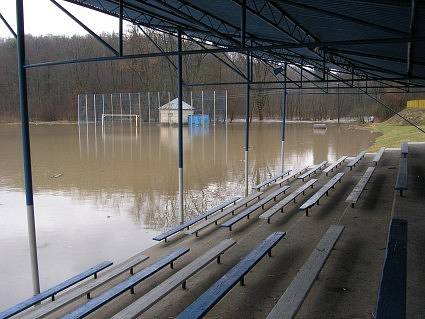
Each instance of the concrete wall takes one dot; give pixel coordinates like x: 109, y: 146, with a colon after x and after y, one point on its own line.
x: 171, y: 116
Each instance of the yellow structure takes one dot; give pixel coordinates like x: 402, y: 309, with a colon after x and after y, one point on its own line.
x: 416, y: 104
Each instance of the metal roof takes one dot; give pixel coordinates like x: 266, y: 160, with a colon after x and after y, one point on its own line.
x: 369, y: 38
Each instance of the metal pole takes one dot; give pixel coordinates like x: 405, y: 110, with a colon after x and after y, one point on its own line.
x: 26, y: 147
x: 191, y: 98
x: 87, y: 116
x: 214, y: 109
x: 338, y: 102
x: 284, y: 100
x: 202, y: 105
x: 159, y: 101
x: 78, y: 109
x: 248, y: 73
x: 140, y: 111
x: 94, y: 110
x: 247, y: 110
x: 180, y: 121
x: 226, y: 106
x: 149, y: 107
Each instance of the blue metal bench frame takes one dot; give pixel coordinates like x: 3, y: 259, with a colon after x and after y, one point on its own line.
x: 321, y: 192
x: 126, y: 285
x: 392, y: 291
x: 51, y: 292
x: 229, y: 223
x: 271, y: 180
x: 217, y: 291
x: 404, y: 149
x: 356, y: 159
x: 198, y: 218
x: 402, y: 176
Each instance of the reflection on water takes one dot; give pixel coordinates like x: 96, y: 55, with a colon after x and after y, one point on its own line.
x: 118, y: 186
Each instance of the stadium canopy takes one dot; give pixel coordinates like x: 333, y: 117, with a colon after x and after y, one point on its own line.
x: 377, y: 39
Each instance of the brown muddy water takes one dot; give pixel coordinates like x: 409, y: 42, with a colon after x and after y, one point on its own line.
x: 104, y: 195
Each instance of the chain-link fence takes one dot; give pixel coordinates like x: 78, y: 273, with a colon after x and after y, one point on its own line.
x: 100, y: 109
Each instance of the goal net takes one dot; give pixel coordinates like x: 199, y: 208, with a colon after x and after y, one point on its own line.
x: 109, y: 119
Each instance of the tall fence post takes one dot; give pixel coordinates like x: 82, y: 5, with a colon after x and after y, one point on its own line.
x: 26, y: 148
x: 149, y: 107
x: 78, y: 109
x: 202, y: 104
x: 191, y: 98
x: 87, y: 115
x: 214, y: 109
x: 159, y: 104
x: 140, y: 108
x: 94, y: 109
x: 226, y: 108
x: 338, y: 103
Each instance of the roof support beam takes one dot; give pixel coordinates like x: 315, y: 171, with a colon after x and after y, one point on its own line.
x: 81, y: 24
x: 8, y: 25
x: 411, y: 30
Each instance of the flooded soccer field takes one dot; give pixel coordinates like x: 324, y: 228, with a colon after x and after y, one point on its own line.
x: 103, y: 194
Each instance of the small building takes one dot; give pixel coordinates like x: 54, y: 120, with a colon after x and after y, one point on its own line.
x: 168, y: 113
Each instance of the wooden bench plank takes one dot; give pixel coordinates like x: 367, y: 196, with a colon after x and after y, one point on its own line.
x: 322, y: 191
x: 378, y: 155
x: 198, y: 218
x: 214, y: 220
x: 392, y: 291
x: 219, y: 289
x: 404, y: 149
x: 402, y: 182
x: 51, y: 292
x: 292, y: 299
x: 126, y: 285
x: 86, y: 289
x: 356, y: 159
x: 313, y: 170
x: 360, y: 186
x: 270, y: 180
x: 285, y: 201
x: 179, y: 278
x: 331, y: 167
x: 272, y: 196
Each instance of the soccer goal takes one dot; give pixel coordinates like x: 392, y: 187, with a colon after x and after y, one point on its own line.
x: 109, y: 118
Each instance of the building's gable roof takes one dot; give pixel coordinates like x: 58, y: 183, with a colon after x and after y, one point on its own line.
x: 173, y: 105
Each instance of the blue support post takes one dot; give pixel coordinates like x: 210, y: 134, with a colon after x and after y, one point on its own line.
x: 180, y: 121
x: 26, y: 150
x: 284, y: 102
x: 248, y: 88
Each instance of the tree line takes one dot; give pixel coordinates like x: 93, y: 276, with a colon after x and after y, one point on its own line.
x: 53, y: 90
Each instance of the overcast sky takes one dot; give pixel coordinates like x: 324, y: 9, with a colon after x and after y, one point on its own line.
x: 42, y: 17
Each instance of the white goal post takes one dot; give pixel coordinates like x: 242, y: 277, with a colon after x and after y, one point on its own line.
x: 130, y: 116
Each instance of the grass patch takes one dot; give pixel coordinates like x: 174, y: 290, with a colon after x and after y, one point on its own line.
x: 392, y: 135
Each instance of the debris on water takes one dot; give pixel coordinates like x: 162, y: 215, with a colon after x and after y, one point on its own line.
x: 56, y: 175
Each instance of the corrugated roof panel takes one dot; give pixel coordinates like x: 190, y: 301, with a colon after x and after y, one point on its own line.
x: 269, y: 22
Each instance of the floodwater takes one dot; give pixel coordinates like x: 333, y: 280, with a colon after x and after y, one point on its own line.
x: 102, y: 195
